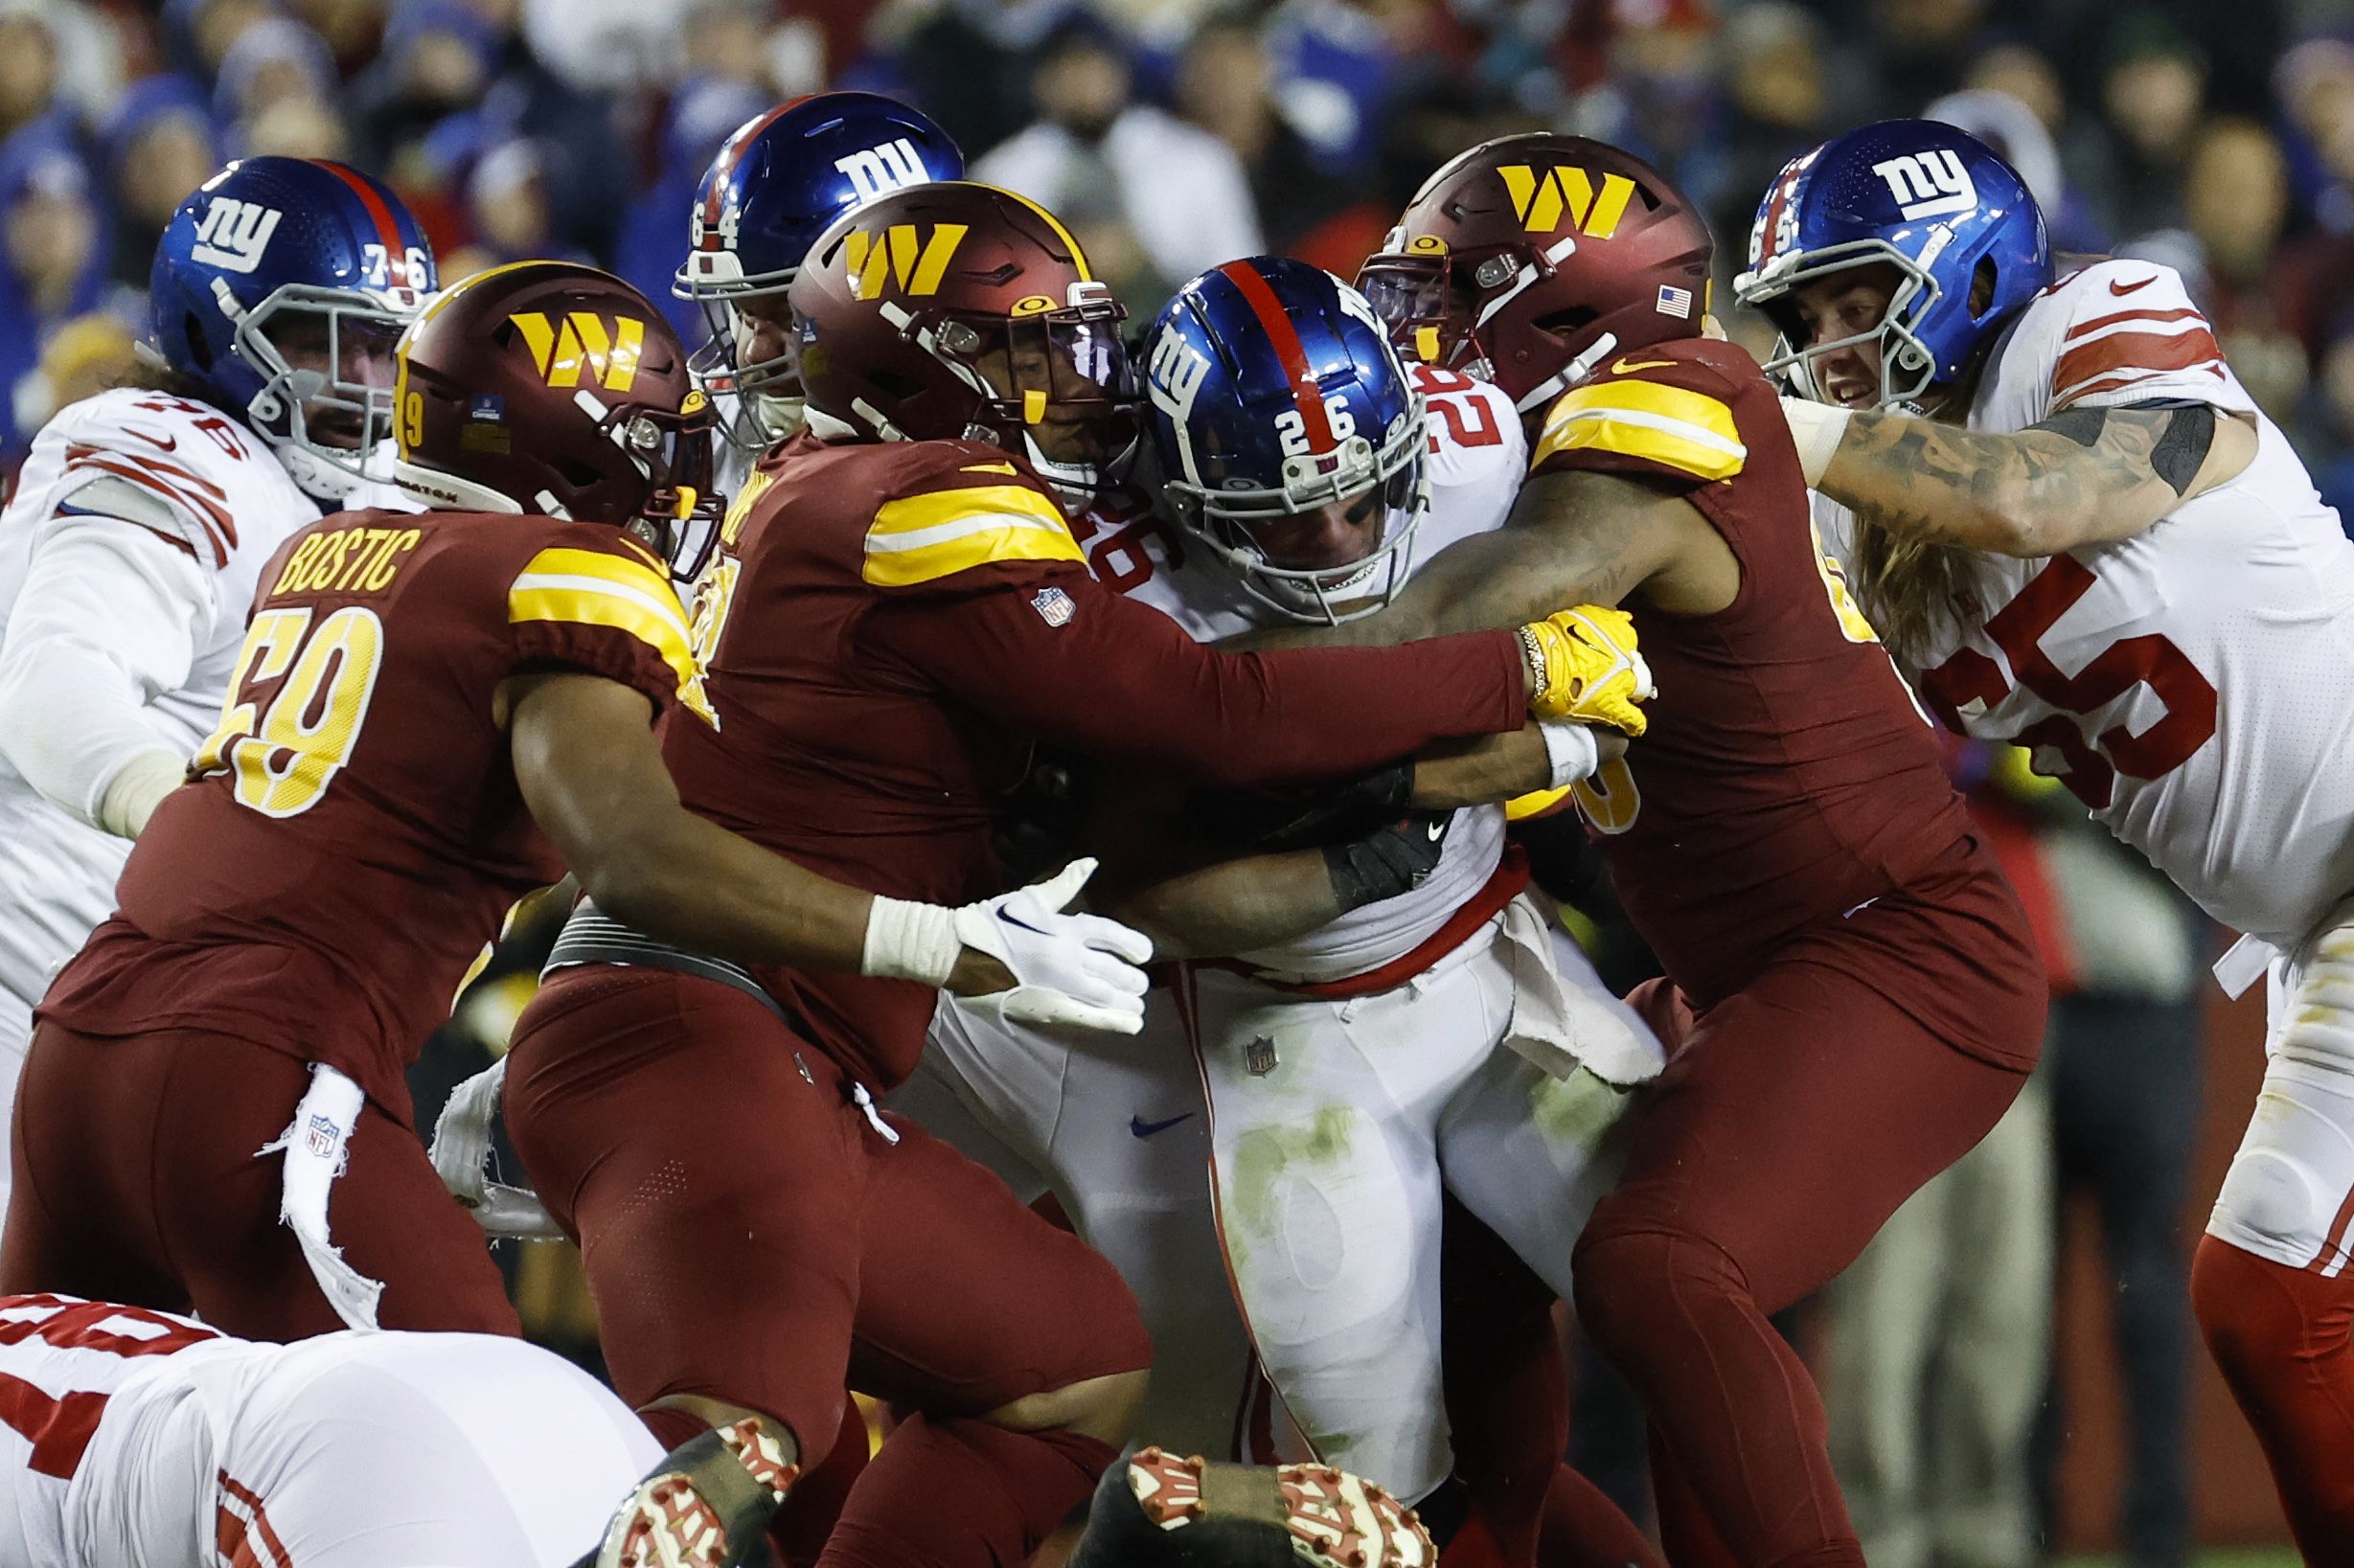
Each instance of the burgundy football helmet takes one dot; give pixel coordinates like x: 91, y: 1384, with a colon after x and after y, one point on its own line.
x: 553, y: 388
x: 960, y: 311
x: 1528, y: 258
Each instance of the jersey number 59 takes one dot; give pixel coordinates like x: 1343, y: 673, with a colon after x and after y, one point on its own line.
x: 284, y: 754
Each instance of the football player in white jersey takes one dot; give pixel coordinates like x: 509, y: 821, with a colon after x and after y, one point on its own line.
x: 135, y: 1438
x: 128, y: 556
x: 2096, y: 546
x: 1374, y: 1022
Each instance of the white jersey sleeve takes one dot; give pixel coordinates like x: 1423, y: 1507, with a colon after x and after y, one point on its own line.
x: 128, y: 558
x: 2113, y: 333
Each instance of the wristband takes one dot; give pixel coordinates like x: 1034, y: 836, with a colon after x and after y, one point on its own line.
x: 1814, y: 429
x: 1570, y: 752
x: 907, y: 940
x: 137, y: 788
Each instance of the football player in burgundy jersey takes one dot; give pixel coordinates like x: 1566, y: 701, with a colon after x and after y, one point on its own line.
x: 897, y: 608
x: 1852, y: 996
x: 434, y: 714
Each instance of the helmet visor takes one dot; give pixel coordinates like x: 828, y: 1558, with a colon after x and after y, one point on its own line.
x: 1428, y: 307
x: 1063, y: 376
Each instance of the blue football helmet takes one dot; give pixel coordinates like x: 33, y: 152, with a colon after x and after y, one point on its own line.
x: 1934, y: 202
x: 279, y: 289
x: 1274, y: 393
x: 777, y: 184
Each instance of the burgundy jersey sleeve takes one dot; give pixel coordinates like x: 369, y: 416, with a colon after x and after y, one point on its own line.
x: 1664, y: 413
x: 1075, y: 663
x: 592, y: 600
x: 963, y: 517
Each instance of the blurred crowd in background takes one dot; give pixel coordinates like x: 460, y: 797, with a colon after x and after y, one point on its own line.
x: 1180, y: 133
x: 1175, y: 134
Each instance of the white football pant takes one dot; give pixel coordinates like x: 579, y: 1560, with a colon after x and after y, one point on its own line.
x: 2289, y: 1196
x: 1335, y: 1127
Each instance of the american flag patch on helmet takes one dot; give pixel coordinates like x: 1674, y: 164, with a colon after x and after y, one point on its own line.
x: 1675, y: 302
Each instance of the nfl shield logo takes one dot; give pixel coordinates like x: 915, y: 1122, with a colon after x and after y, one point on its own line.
x: 1054, y: 606
x: 1259, y: 1056
x: 320, y: 1138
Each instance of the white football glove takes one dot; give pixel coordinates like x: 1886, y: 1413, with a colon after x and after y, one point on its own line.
x: 461, y: 1156
x: 1075, y: 969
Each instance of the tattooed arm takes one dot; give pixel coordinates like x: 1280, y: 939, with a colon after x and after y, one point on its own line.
x: 2083, y: 476
x: 1577, y: 536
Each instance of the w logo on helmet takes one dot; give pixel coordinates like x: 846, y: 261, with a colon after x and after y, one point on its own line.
x: 234, y: 233
x: 580, y: 342
x: 898, y: 256
x: 1543, y: 197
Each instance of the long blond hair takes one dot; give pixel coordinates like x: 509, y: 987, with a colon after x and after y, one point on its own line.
x: 1912, y: 589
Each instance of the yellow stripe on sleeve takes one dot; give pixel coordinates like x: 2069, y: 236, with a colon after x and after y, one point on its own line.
x: 922, y: 538
x: 1669, y: 425
x: 589, y: 588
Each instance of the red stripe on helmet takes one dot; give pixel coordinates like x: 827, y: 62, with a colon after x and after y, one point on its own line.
x: 717, y: 179
x: 387, y: 227
x: 1305, y: 392
x: 1773, y: 222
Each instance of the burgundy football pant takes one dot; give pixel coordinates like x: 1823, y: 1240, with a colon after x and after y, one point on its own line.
x: 138, y: 1180
x: 752, y: 1237
x: 1793, y: 1119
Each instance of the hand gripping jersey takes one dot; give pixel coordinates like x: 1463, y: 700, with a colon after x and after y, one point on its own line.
x: 889, y: 627
x: 1786, y: 775
x: 359, y: 835
x: 1478, y: 454
x: 133, y: 1439
x: 2193, y: 685
x: 221, y: 503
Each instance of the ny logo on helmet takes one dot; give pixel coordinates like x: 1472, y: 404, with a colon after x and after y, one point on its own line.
x: 580, y: 342
x: 234, y: 233
x: 1928, y: 183
x: 893, y: 165
x: 899, y: 254
x: 1542, y: 197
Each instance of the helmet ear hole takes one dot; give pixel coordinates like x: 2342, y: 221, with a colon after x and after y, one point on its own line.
x: 1983, y: 281
x: 575, y: 474
x: 193, y: 335
x: 1570, y: 321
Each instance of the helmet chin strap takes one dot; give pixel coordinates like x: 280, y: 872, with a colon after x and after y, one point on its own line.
x: 1571, y: 374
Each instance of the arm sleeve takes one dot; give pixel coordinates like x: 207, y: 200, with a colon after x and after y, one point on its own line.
x: 1079, y: 665
x: 109, y: 617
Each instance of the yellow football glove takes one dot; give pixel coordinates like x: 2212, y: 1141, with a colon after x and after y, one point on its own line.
x: 1590, y: 669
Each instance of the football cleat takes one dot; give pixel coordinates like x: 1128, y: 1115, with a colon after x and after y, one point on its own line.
x: 1162, y: 1508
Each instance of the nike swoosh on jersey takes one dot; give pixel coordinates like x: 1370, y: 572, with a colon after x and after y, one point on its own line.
x: 2121, y: 291
x: 1628, y: 367
x: 169, y: 444
x: 1143, y: 1129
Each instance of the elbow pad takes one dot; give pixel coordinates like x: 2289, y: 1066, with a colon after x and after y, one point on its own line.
x: 1386, y: 863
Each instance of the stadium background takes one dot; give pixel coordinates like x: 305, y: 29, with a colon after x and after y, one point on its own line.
x: 1178, y: 133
